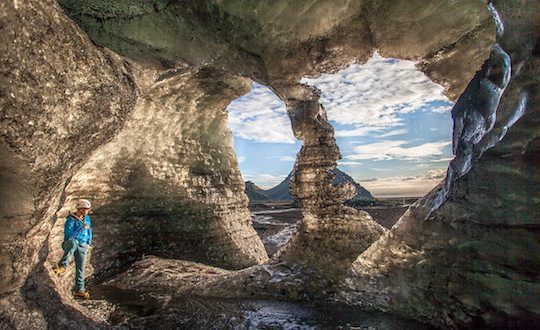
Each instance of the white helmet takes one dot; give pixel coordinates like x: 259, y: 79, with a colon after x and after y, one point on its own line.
x: 83, y: 204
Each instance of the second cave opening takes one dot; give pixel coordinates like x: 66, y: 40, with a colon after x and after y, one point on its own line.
x: 393, y: 127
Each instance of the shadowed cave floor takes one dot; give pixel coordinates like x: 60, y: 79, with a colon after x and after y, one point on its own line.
x: 121, y: 303
x: 148, y: 311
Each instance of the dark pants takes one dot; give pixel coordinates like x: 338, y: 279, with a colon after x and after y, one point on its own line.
x: 74, y: 249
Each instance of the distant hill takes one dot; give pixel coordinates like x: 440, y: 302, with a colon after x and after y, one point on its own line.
x: 282, y: 192
x: 362, y: 194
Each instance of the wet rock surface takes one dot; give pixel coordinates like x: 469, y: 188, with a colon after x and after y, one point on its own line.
x: 465, y: 244
x: 137, y: 299
x: 207, y: 313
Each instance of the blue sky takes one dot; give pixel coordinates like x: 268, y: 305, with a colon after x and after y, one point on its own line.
x: 392, y: 124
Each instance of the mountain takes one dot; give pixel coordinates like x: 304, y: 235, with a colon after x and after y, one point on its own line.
x: 362, y: 194
x: 254, y: 192
x: 282, y: 192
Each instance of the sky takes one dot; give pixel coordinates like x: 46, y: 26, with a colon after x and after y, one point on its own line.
x: 392, y: 125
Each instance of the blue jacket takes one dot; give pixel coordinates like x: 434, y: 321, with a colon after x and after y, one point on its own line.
x: 73, y: 228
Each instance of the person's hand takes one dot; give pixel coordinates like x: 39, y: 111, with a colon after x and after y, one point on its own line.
x: 86, y: 226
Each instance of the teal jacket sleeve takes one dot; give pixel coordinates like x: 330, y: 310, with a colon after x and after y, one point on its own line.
x: 71, y: 230
x: 90, y: 230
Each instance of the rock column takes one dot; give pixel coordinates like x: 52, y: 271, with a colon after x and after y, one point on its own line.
x: 330, y: 235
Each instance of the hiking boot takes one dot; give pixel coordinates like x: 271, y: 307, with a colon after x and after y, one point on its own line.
x: 81, y: 294
x: 59, y: 270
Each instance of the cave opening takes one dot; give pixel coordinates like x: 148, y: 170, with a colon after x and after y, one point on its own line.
x: 453, y: 259
x: 266, y: 148
x: 160, y: 192
x: 393, y: 127
x: 209, y: 162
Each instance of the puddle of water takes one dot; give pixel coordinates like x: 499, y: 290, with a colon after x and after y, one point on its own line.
x: 274, y: 211
x: 261, y: 314
x: 144, y: 312
x: 283, y: 236
x: 268, y: 220
x: 274, y: 230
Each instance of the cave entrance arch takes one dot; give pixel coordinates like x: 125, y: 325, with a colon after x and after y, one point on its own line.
x: 158, y: 186
x: 414, y: 94
x: 471, y: 141
x: 266, y: 150
x: 331, y: 236
x: 394, y: 129
x: 336, y: 37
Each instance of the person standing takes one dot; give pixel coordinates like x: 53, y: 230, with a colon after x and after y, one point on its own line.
x: 77, y: 242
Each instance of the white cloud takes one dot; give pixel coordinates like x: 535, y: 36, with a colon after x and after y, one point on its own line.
x: 372, y: 95
x: 441, y: 109
x: 395, y: 132
x: 444, y: 159
x: 359, y: 131
x: 260, y: 116
x: 367, y: 180
x: 349, y: 163
x: 386, y: 150
x: 435, y: 174
x: 283, y: 158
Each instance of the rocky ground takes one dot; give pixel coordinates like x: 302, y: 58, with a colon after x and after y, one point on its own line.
x: 276, y: 222
x: 120, y: 302
x: 386, y: 212
x: 145, y: 306
x: 275, y: 226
